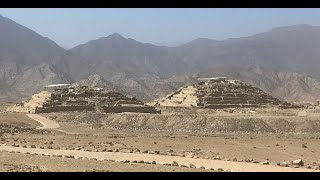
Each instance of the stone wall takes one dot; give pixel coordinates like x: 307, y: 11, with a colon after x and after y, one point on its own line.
x: 120, y: 109
x: 64, y: 108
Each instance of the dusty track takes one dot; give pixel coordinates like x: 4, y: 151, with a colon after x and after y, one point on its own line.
x: 160, y: 159
x: 47, y: 123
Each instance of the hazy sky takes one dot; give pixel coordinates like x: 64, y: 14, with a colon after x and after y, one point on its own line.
x: 71, y: 27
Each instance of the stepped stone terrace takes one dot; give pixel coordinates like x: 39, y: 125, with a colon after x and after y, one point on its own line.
x: 81, y: 98
x: 220, y: 93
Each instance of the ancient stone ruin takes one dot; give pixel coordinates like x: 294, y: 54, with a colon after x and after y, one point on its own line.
x: 220, y: 93
x: 82, y: 98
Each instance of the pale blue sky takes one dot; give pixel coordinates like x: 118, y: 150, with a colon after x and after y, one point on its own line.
x: 70, y: 27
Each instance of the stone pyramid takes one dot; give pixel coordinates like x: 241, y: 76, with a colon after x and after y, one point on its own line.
x: 222, y: 93
x: 82, y: 98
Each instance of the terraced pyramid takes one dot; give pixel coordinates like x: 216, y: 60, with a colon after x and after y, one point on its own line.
x: 82, y: 98
x: 220, y: 94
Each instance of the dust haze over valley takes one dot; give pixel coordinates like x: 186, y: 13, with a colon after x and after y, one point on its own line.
x: 136, y: 106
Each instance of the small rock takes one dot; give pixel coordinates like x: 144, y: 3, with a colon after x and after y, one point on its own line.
x: 33, y: 146
x: 298, y: 162
x: 304, y: 146
x: 217, y: 158
x: 146, y: 151
x: 153, y: 162
x: 184, y: 166
x: 284, y: 164
x: 157, y: 152
x: 150, y: 152
x: 206, y: 157
x: 188, y: 154
x: 125, y: 151
x: 192, y: 166
x: 264, y: 162
x: 235, y: 159
x: 202, y: 167
x: 141, y: 161
x: 220, y: 169
x: 174, y: 163
x: 49, y: 147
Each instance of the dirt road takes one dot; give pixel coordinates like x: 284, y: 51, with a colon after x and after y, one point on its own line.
x: 46, y: 123
x: 160, y: 159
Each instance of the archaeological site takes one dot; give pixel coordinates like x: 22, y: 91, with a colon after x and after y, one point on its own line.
x: 177, y: 102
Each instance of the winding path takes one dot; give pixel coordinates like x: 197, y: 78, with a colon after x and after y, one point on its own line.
x: 47, y: 123
x: 160, y: 159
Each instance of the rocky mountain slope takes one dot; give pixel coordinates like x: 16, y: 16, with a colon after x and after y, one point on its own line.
x: 28, y: 61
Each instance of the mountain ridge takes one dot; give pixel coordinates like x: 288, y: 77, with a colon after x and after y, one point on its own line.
x: 149, y: 71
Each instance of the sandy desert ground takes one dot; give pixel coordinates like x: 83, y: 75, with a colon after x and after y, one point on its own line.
x: 180, y: 140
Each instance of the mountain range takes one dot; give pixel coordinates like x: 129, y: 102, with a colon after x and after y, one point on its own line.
x: 283, y: 61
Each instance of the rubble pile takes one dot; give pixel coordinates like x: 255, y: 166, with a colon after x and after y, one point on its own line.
x: 217, y: 94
